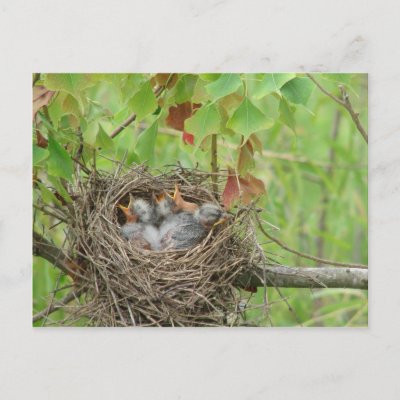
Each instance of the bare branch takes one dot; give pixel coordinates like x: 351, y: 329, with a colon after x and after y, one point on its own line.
x: 309, y: 277
x: 43, y: 248
x: 344, y: 103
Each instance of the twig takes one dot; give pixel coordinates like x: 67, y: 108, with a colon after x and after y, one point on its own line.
x: 308, y: 256
x: 344, y: 103
x: 354, y: 114
x: 52, y: 307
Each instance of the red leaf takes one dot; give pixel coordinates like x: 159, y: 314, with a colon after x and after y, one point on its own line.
x: 178, y: 114
x: 41, y: 97
x: 231, y: 191
x: 41, y: 141
x: 251, y: 187
x: 187, y: 138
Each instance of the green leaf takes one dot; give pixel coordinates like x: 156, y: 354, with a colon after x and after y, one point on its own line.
x: 71, y: 106
x: 200, y: 94
x: 298, y: 90
x: 60, y: 188
x: 103, y: 140
x: 146, y: 143
x: 74, y: 84
x: 204, y: 122
x: 90, y: 133
x: 144, y: 102
x: 271, y: 83
x: 59, y: 162
x: 38, y: 154
x: 55, y: 110
x: 185, y: 88
x: 248, y: 119
x: 209, y: 77
x: 48, y: 196
x: 224, y: 85
x: 286, y: 114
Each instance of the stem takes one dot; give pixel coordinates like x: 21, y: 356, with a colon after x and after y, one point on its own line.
x: 214, y: 164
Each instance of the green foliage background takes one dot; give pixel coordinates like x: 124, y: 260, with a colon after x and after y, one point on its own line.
x: 315, y: 178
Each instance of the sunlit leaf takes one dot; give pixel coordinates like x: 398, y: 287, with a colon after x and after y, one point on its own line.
x: 224, y: 85
x: 248, y: 119
x: 209, y: 77
x: 59, y: 162
x: 204, y: 122
x: 298, y: 90
x: 146, y: 143
x: 144, y: 102
x: 74, y: 84
x: 271, y: 83
x: 71, y: 106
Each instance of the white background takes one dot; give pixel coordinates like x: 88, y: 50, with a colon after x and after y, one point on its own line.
x: 199, y: 36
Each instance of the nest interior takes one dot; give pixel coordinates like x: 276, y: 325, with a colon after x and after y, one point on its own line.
x: 126, y: 286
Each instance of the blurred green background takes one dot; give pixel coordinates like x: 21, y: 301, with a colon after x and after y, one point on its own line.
x: 313, y: 165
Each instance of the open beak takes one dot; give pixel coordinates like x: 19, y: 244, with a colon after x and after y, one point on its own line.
x: 176, y: 193
x: 223, y: 219
x: 125, y: 210
x: 160, y: 197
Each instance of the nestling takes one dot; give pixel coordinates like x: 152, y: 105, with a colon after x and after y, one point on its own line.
x: 138, y: 228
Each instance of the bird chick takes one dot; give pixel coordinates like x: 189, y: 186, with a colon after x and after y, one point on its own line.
x: 164, y: 205
x: 180, y: 204
x: 186, y: 229
x: 138, y: 228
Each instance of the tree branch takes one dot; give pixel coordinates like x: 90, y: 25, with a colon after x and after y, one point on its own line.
x: 308, y: 277
x: 344, y: 103
x: 43, y: 248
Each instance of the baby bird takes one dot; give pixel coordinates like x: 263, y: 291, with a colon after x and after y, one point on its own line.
x: 181, y: 205
x: 186, y: 229
x: 164, y: 205
x: 138, y: 228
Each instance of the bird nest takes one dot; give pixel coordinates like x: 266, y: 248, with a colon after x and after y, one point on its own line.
x: 126, y: 286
